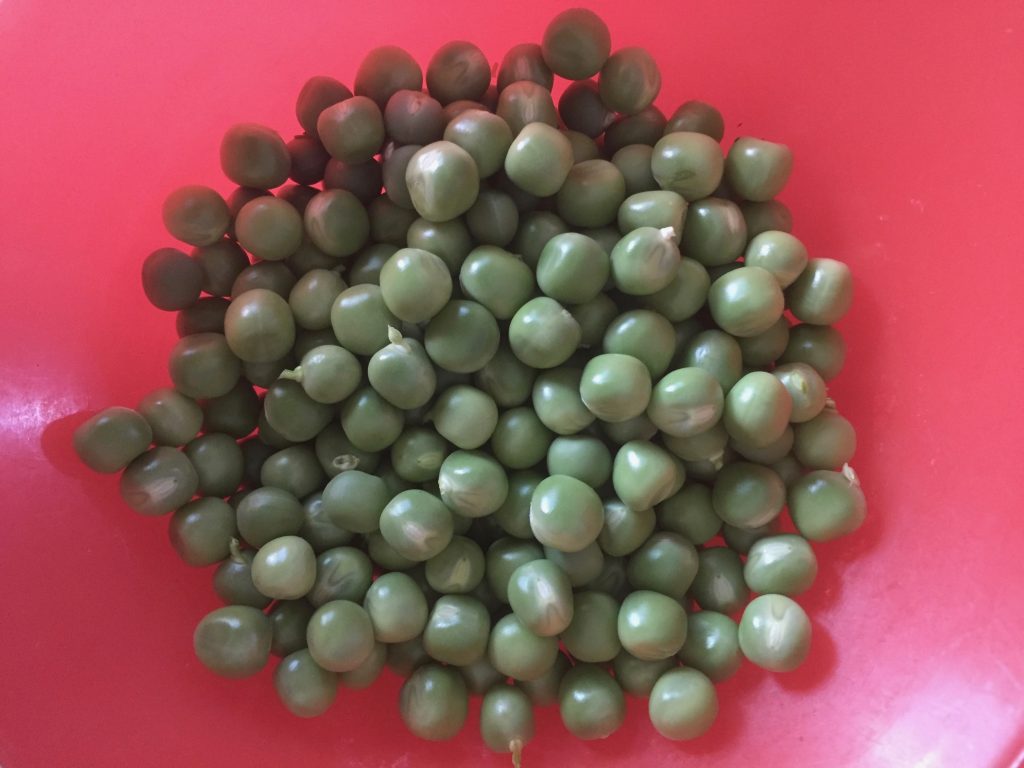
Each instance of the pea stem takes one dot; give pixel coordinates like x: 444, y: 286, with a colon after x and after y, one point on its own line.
x: 234, y: 547
x: 516, y: 748
x: 345, y: 462
x: 395, y: 337
x: 668, y: 233
x: 294, y: 374
x: 850, y: 475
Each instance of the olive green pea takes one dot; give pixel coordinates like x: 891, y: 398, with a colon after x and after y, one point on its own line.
x: 493, y: 218
x: 591, y: 194
x: 457, y: 630
x: 340, y: 636
x: 655, y: 208
x: 335, y: 453
x: 171, y: 279
x: 458, y: 70
x: 233, y: 641
x: 539, y: 158
x: 318, y: 93
x: 690, y: 513
x: 819, y: 346
x: 354, y: 500
x: 298, y: 195
x: 642, y: 334
x: 581, y: 456
x: 318, y: 529
x: 778, y: 252
x: 327, y: 373
x: 433, y: 702
x: 254, y: 156
x: 757, y: 409
x: 235, y: 413
x: 369, y: 421
x: 524, y: 62
x: 572, y: 268
x: 269, y: 228
x: 506, y: 378
x: 823, y: 292
x: 712, y: 645
x: 385, y: 71
x: 645, y: 261
x: 634, y: 163
x: 763, y: 349
x: 543, y: 334
x: 415, y: 285
x: 765, y: 454
x: 506, y: 720
x: 543, y: 691
x: 582, y: 567
x: 645, y: 127
x: 465, y: 416
x: 366, y: 267
x: 304, y: 687
x: 259, y: 326
x: 594, y: 317
x: 643, y: 474
x: 517, y: 652
x: 337, y: 222
x: 485, y: 136
x: 274, y: 276
x: 784, y: 564
x: 416, y: 524
x: 615, y: 387
x: 497, y: 279
x: 651, y: 625
x: 472, y: 483
x: 443, y: 181
x: 719, y: 584
x: 683, y: 704
x: 826, y: 441
x: 536, y: 228
x: 746, y: 301
x: 352, y: 130
x: 684, y: 295
x: 288, y: 621
x: 592, y: 635
x: 708, y: 445
x: 688, y: 163
x: 196, y: 215
x: 756, y: 169
x: 591, y: 703
x: 513, y: 516
x: 406, y: 657
x: 267, y: 513
x: 462, y: 337
x: 396, y: 607
x: 583, y: 147
x: 202, y: 530
x: 312, y: 297
x: 806, y: 389
x: 826, y: 505
x: 715, y: 232
x: 342, y: 573
x: 203, y: 366
x: 219, y: 264
x: 686, y: 402
x: 775, y: 633
x: 413, y: 117
x: 458, y: 568
x: 284, y: 568
x: 232, y: 581
x: 541, y: 597
x: 565, y: 513
x: 504, y: 556
x: 625, y: 530
x: 402, y: 373
x: 582, y: 110
x: 665, y: 563
x: 630, y: 81
x: 363, y: 179
x: 417, y: 454
x: 158, y: 481
x: 520, y: 439
x: 295, y: 469
x: 698, y: 117
x: 111, y: 439
x: 576, y: 44
x: 523, y: 103
x: 638, y: 676
x: 748, y: 495
x: 480, y: 677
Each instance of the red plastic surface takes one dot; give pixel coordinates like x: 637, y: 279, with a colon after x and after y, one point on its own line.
x: 906, y: 121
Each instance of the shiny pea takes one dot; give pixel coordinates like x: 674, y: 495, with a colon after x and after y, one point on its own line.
x: 413, y: 117
x: 318, y: 93
x: 757, y: 409
x: 634, y: 163
x: 778, y: 252
x: 233, y: 641
x: 540, y: 594
x: 363, y: 179
x: 775, y: 633
x: 402, y: 373
x: 340, y: 636
x: 354, y: 500
x: 304, y: 687
x: 698, y: 117
x: 748, y: 495
x: 582, y: 567
x: 583, y: 457
x: 525, y: 102
x: 615, y: 387
x: 312, y: 297
x: 645, y: 127
x: 688, y: 163
x: 535, y: 230
x: 683, y: 704
x: 576, y: 44
x: 823, y: 292
x: 318, y: 529
x: 582, y: 110
x: 783, y: 565
x: 352, y: 130
x: 591, y: 703
x: 288, y: 621
x: 645, y: 261
x: 630, y: 80
x: 506, y: 378
x: 158, y: 481
x: 493, y: 218
x: 472, y: 483
x: 369, y: 421
x: 196, y: 215
x: 504, y: 556
x: 465, y: 416
x: 565, y: 513
x: 517, y: 652
x: 572, y: 268
x: 203, y: 366
x: 712, y: 645
x: 328, y: 374
x: 497, y: 279
x: 763, y: 349
x: 557, y: 403
x: 342, y: 573
x: 719, y: 584
x: 458, y: 568
x: 806, y: 389
x: 826, y: 505
x: 415, y: 285
x: 746, y: 301
x: 643, y: 474
x: 524, y: 62
x: 485, y: 136
x: 202, y: 530
x: 718, y: 353
x: 443, y: 181
x: 417, y: 454
x: 651, y: 626
x: 770, y: 453
x: 457, y: 630
x: 520, y: 439
x: 594, y: 317
x: 396, y: 607
x: 665, y: 563
x: 686, y: 402
x: 171, y: 279
x: 366, y: 674
x: 591, y: 194
x: 539, y: 158
x: 592, y: 635
x: 653, y: 208
x: 114, y: 437
x: 295, y: 469
x: 386, y: 70
x: 715, y: 232
x: 462, y: 337
x: 506, y: 720
x: 642, y: 334
x: 232, y: 581
x: 756, y: 169
x: 417, y: 524
x: 267, y: 513
x: 826, y: 441
x: 543, y: 334
x: 293, y: 414
x: 684, y: 295
x: 819, y: 346
x: 284, y: 568
x: 433, y: 702
x: 458, y: 70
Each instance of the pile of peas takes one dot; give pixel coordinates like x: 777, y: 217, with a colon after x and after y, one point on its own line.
x: 509, y: 396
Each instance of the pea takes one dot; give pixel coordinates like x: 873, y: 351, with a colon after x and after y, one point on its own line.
x: 158, y: 481
x: 699, y: 117
x: 295, y: 469
x: 293, y: 414
x: 719, y: 585
x: 826, y: 441
x: 267, y: 513
x: 205, y: 316
x: 565, y: 513
x: 396, y: 607
x: 630, y: 80
x: 472, y: 483
x: 497, y: 279
x: 318, y: 529
x: 715, y: 233
x: 572, y: 268
x: 506, y: 720
x: 645, y: 261
x: 505, y: 378
x: 819, y: 346
x: 539, y: 158
x: 543, y: 691
x: 643, y: 474
x: 651, y: 626
x: 591, y: 194
x: 645, y: 127
x: 583, y: 457
x: 517, y: 652
x: 540, y: 595
x: 748, y: 495
x: 233, y: 641
x: 202, y: 530
x: 385, y: 71
x: 271, y: 275
x: 203, y: 366
x: 712, y: 645
x: 462, y: 337
x: 342, y: 573
x: 591, y: 703
x: 581, y: 109
x: 625, y: 530
x: 340, y: 636
x: 543, y: 334
x: 305, y: 688
x: 826, y: 505
x: 686, y: 402
x: 503, y: 557
x: 775, y: 633
x: 458, y: 568
x: 535, y: 230
x: 783, y: 564
x: 465, y: 416
x: 457, y: 630
x: 634, y: 163
x: 582, y: 567
x: 822, y: 293
x: 637, y: 676
x: 576, y: 44
x: 688, y: 163
x: 683, y: 704
x: 592, y: 634
x: 486, y: 137
x: 111, y: 439
x: 615, y: 387
x: 594, y: 317
x: 757, y: 409
x: 524, y: 62
x: 778, y: 252
x: 415, y: 285
x: 443, y: 181
x: 665, y: 563
x: 363, y: 179
x: 756, y: 169
x: 433, y: 702
x: 232, y: 581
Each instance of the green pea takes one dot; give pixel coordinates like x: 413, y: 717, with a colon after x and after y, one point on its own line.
x: 517, y: 652
x: 594, y: 317
x: 748, y: 495
x: 634, y: 163
x: 284, y: 568
x: 342, y: 573
x: 480, y: 677
x: 196, y: 215
x: 417, y: 454
x: 756, y: 169
x: 540, y: 595
x: 352, y: 130
x: 520, y: 439
x: 643, y: 474
x: 783, y: 565
x: 497, y: 279
x: 665, y: 563
x: 513, y: 516
x: 591, y: 194
x: 203, y: 366
x: 318, y: 529
x: 775, y: 633
x: 625, y: 530
x: 406, y: 657
x: 385, y: 71
x: 506, y: 720
x: 757, y: 409
x: 565, y: 513
x: 114, y: 437
x: 718, y: 353
x: 328, y: 374
x: 288, y: 621
x: 539, y: 158
x: 686, y: 402
x: 457, y: 630
x: 318, y: 93
x: 826, y: 505
x: 340, y: 636
x: 582, y: 567
x: 645, y: 261
x: 370, y: 422
x: 778, y: 252
x: 688, y: 163
x: 806, y: 389
x: 825, y: 442
x: 746, y: 301
x: 472, y: 483
x: 465, y: 416
x: 763, y: 349
x: 524, y: 62
x: 389, y: 222
x: 295, y: 469
x: 402, y: 373
x: 486, y: 137
x: 417, y: 524
x: 583, y: 147
x: 506, y: 378
x: 819, y: 346
x: 712, y: 645
x: 543, y: 334
x: 645, y: 127
x: 493, y: 218
x: 312, y: 297
x: 653, y: 208
x: 698, y: 117
x: 219, y: 264
x: 433, y: 702
x: 415, y: 285
x: 535, y: 230
x: 354, y: 500
x: 232, y: 581
x: 715, y: 232
x: 823, y: 292
x: 591, y: 703
x: 363, y: 179
x: 305, y: 688
x: 396, y: 607
x: 592, y: 635
x: 630, y: 80
x: 615, y: 387
x: 651, y: 626
x: 202, y: 530
x: 361, y: 319
x: 504, y: 556
x: 458, y: 70
x: 267, y: 513
x: 171, y: 279
x: 543, y: 691
x: 583, y: 457
x: 576, y: 44
x: 254, y: 156
x: 233, y: 641
x: 685, y: 294
x: 524, y: 102
x: 642, y: 334
x: 413, y: 117
x: 572, y: 268
x: 462, y: 337
x: 638, y: 676
x: 766, y: 216
x: 443, y: 181
x: 458, y: 568
x: 366, y: 674
x: 293, y: 414
x: 582, y: 111
x: 683, y: 704
x: 719, y: 584
x: 158, y: 481
x: 269, y: 228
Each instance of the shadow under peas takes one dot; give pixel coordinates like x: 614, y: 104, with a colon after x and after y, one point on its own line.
x: 56, y: 443
x: 820, y: 663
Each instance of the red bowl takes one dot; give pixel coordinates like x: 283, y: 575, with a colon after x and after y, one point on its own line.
x: 909, y: 162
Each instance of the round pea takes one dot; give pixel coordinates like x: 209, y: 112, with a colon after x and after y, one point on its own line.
x: 171, y: 279
x: 565, y: 513
x: 472, y: 484
x: 284, y: 568
x: 267, y: 513
x: 543, y: 691
x: 718, y: 353
x: 385, y: 71
x: 712, y: 645
x: 645, y: 127
x: 288, y: 621
x: 783, y: 565
x: 340, y: 636
x: 576, y: 44
x: 643, y: 474
x: 443, y: 181
x: 517, y: 652
x: 485, y: 136
x: 719, y: 584
x: 457, y: 630
x: 506, y: 720
x: 269, y: 228
x: 524, y: 62
x: 203, y: 366
x: 397, y: 608
x: 625, y: 530
x: 254, y: 156
x: 497, y: 279
x: 354, y: 500
x: 295, y: 469
x: 826, y: 441
x: 688, y: 163
x: 823, y: 292
x: 369, y: 421
x: 819, y: 346
x: 506, y: 378
x: 582, y: 567
x: 535, y: 230
x: 683, y: 704
x: 615, y: 387
x: 806, y: 389
x: 746, y: 301
x: 645, y: 261
x: 417, y: 454
x: 520, y: 439
x: 232, y: 581
x: 715, y: 232
x: 630, y: 80
x: 590, y: 702
x: 540, y: 595
x: 699, y: 117
x: 775, y: 633
x: 582, y: 111
x: 462, y: 337
x: 651, y: 626
x: 272, y: 275
x: 305, y: 688
x: 233, y: 641
x: 201, y: 531
x: 757, y: 409
x: 539, y: 159
x: 748, y: 495
x: 318, y: 529
x: 543, y: 334
x: 665, y: 563
x: 503, y: 557
x: 591, y: 194
x: 458, y: 70
x: 686, y: 402
x: 572, y: 268
x: 363, y: 179
x: 114, y: 437
x: 158, y: 481
x: 778, y: 252
x: 433, y: 702
x: 493, y: 218
x: 458, y: 568
x: 352, y: 130
x: 415, y: 285
x: 342, y: 573
x: 465, y: 416
x: 592, y: 635
x: 417, y: 524
x: 337, y: 222
x: 756, y: 169
x: 684, y: 295
x: 525, y: 102
x: 826, y: 505
x: 583, y: 457
x: 259, y: 326
x: 634, y: 163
